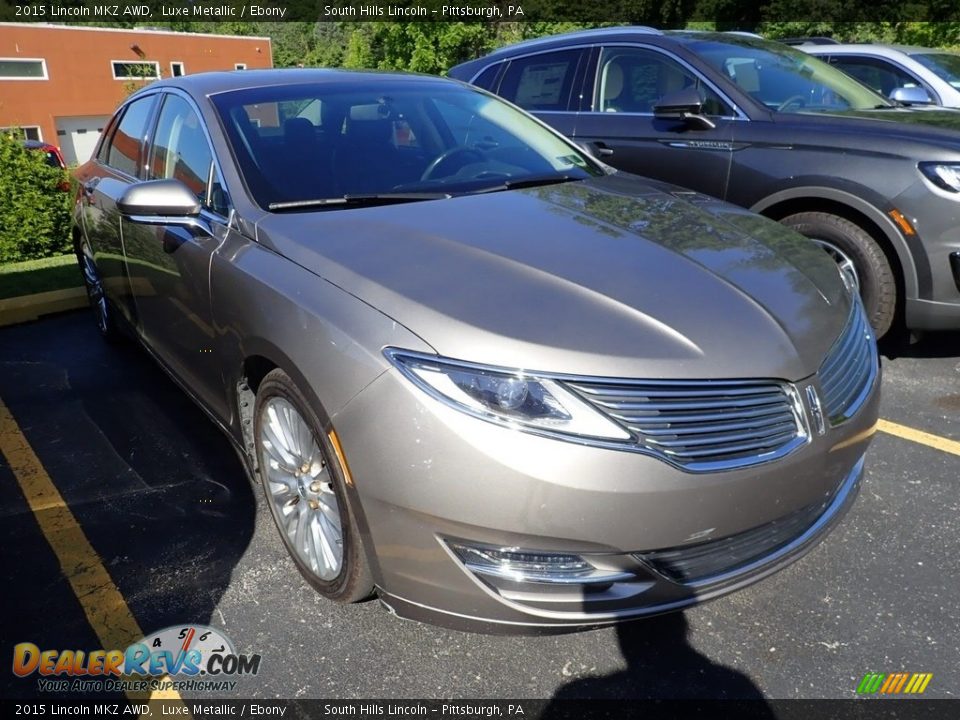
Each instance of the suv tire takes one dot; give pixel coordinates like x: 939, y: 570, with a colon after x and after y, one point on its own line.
x: 878, y: 285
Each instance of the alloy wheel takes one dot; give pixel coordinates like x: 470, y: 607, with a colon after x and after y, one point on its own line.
x: 301, y: 488
x: 844, y: 262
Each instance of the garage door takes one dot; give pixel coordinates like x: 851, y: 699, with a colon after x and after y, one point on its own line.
x: 77, y: 136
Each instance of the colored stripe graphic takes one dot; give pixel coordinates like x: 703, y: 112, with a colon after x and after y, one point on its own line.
x: 894, y: 683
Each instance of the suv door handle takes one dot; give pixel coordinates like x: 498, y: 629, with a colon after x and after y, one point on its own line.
x: 90, y: 185
x: 603, y: 150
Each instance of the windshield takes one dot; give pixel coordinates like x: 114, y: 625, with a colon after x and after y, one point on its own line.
x: 786, y: 80
x: 299, y: 143
x: 946, y: 65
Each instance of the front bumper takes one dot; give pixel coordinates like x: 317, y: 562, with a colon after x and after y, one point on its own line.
x: 426, y: 475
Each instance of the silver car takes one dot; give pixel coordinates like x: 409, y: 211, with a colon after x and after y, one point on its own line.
x: 915, y: 75
x: 475, y: 370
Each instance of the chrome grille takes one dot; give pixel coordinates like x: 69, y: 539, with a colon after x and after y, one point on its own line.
x: 847, y: 374
x: 695, y: 563
x: 703, y: 425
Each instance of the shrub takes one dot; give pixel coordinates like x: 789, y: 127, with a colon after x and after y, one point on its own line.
x: 34, y: 209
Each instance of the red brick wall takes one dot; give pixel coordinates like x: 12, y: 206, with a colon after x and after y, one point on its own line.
x: 78, y: 67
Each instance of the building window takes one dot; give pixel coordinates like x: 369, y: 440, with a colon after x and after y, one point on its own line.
x: 240, y: 66
x: 143, y: 70
x: 176, y: 69
x: 23, y: 69
x: 29, y: 132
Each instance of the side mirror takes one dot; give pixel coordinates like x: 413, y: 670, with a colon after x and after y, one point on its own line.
x: 685, y: 105
x: 168, y: 198
x: 911, y: 96
x: 161, y: 202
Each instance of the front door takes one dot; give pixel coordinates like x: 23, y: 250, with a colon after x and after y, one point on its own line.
x: 169, y: 266
x: 628, y: 84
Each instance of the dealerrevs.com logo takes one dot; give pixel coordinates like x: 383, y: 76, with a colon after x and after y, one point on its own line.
x: 173, y: 658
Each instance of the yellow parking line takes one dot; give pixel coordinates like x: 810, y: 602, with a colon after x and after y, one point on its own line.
x: 104, y: 605
x: 918, y: 436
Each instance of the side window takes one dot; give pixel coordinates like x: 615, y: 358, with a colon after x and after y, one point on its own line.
x: 878, y: 75
x: 181, y: 152
x: 488, y: 77
x: 125, y: 146
x: 634, y: 79
x: 104, y: 150
x: 541, y: 82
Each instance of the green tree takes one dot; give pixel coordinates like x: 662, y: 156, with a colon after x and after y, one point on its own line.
x: 34, y: 209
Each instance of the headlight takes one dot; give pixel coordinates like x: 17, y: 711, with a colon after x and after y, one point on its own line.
x: 945, y: 176
x: 507, y: 397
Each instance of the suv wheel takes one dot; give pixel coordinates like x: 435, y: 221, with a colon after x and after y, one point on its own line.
x: 304, y: 487
x: 846, y: 242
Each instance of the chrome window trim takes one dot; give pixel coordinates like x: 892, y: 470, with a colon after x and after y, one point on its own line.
x: 740, y: 116
x: 802, y: 438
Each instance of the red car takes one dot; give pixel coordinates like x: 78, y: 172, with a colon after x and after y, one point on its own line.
x: 54, y: 158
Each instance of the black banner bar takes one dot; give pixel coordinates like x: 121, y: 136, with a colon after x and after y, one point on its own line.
x: 728, y: 14
x: 873, y: 708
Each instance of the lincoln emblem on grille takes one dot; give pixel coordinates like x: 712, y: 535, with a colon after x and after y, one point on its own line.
x: 814, y: 401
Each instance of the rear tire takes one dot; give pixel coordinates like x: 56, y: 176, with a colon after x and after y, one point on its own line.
x: 305, y: 490
x: 93, y: 284
x: 878, y: 284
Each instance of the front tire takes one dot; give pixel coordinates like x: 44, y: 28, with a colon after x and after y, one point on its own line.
x: 305, y: 489
x: 878, y: 284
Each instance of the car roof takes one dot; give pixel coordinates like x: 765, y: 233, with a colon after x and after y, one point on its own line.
x: 211, y: 83
x: 623, y: 32
x: 870, y: 47
x: 38, y: 145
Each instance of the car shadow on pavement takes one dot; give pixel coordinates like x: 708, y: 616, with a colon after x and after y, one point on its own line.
x: 661, y: 665
x: 929, y: 345
x: 155, y: 486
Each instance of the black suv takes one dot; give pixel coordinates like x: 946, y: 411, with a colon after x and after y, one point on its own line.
x: 771, y: 129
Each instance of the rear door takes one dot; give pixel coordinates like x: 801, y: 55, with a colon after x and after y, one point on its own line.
x: 118, y: 165
x: 628, y: 82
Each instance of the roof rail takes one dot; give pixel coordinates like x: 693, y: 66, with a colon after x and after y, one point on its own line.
x: 593, y: 32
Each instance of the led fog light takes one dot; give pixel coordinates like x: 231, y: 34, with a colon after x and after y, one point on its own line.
x: 533, y: 566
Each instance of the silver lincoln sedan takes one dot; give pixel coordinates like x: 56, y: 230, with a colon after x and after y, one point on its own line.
x: 475, y: 370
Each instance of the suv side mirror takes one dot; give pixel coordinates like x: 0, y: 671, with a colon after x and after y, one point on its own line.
x: 911, y: 96
x: 685, y: 105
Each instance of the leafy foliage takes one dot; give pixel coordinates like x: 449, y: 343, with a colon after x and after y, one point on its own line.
x: 34, y: 210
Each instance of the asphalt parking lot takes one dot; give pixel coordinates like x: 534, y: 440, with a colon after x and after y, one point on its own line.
x: 185, y: 538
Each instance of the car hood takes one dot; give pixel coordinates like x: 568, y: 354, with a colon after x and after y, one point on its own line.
x: 611, y: 276
x: 938, y: 125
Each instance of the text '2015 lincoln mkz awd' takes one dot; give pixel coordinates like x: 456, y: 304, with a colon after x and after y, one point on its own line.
x: 475, y: 370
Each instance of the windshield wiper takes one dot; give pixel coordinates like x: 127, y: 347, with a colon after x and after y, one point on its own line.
x: 359, y: 199
x: 536, y: 181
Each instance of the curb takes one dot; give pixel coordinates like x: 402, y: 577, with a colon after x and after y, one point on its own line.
x: 32, y: 307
